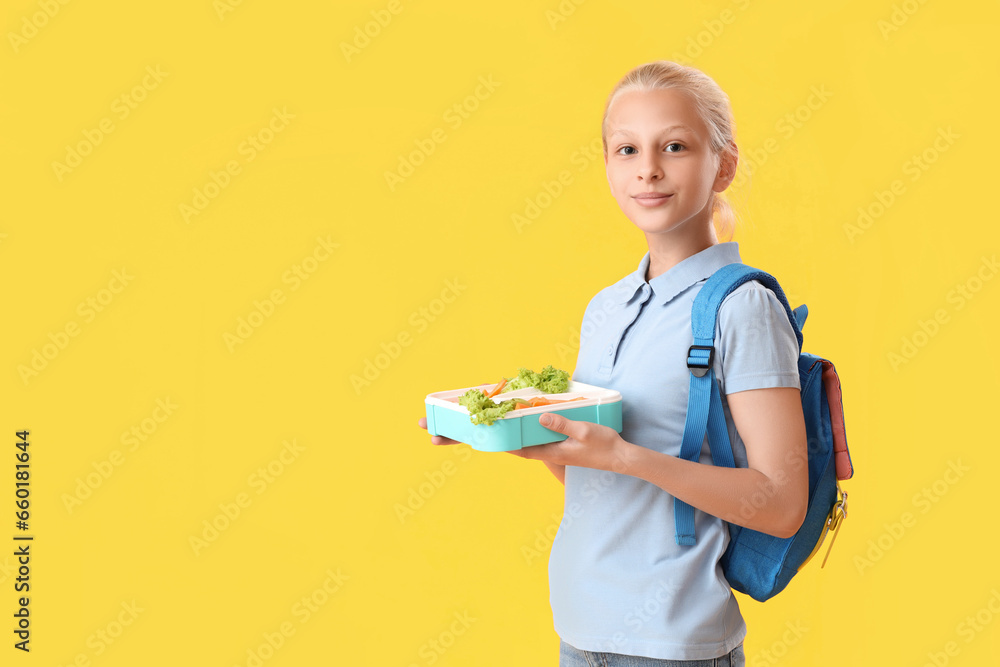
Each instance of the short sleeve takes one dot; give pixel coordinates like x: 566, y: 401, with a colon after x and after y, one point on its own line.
x: 758, y: 347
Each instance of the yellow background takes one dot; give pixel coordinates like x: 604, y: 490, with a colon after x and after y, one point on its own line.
x: 895, y: 78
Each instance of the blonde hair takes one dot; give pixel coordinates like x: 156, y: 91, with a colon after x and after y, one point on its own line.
x: 711, y: 104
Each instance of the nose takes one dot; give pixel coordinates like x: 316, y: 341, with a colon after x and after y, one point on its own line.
x: 649, y: 168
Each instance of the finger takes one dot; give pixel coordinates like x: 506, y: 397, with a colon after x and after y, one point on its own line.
x: 537, y: 452
x: 436, y: 439
x: 560, y: 424
x: 524, y: 452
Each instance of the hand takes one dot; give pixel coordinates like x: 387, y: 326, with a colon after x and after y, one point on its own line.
x: 440, y: 439
x: 436, y: 439
x: 588, y: 445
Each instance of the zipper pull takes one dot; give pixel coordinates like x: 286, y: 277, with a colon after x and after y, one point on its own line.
x: 837, y: 516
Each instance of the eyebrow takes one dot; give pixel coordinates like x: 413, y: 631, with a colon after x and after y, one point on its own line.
x: 684, y: 128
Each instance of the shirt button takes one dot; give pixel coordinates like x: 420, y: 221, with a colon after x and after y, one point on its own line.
x: 611, y: 350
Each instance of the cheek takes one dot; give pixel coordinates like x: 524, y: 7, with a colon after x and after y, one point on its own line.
x: 710, y: 171
x: 615, y: 182
x: 694, y: 179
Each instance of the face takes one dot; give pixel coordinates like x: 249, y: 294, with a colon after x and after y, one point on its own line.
x: 660, y: 166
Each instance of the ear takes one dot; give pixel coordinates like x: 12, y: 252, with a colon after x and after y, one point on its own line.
x: 727, y: 169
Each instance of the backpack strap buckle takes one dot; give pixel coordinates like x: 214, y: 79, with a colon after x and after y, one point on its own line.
x: 700, y: 358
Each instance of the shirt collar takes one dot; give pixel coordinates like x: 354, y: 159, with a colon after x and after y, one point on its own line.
x: 679, y: 277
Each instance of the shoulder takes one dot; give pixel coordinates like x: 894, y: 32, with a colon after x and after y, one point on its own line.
x: 757, y: 343
x: 751, y: 301
x: 752, y: 288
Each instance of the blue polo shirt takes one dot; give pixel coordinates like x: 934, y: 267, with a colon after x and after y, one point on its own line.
x: 618, y: 580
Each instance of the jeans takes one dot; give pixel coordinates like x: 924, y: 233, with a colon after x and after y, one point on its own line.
x: 570, y: 656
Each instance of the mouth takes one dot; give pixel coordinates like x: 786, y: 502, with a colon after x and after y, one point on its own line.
x: 651, y: 198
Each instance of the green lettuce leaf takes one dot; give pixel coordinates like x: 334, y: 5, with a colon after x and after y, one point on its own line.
x: 549, y: 381
x: 483, y: 410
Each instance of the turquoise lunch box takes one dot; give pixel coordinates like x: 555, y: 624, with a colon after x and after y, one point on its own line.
x: 520, y: 428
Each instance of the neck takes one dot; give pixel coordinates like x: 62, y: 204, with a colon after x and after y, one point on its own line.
x: 667, y: 249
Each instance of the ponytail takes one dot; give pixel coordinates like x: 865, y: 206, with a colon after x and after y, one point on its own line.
x: 724, y: 218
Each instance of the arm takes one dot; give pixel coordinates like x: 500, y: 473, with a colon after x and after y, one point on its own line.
x: 769, y: 496
x: 558, y: 470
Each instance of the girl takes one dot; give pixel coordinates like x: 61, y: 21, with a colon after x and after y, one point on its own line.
x: 623, y: 592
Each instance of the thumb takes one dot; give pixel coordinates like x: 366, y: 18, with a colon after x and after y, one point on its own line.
x: 557, y: 423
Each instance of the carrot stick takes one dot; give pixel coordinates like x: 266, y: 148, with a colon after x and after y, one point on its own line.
x: 496, y: 390
x: 541, y: 400
x: 556, y: 401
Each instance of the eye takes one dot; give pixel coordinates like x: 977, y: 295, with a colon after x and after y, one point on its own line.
x: 624, y: 147
x: 679, y: 146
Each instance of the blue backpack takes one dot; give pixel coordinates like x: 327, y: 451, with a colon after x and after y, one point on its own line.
x: 755, y: 563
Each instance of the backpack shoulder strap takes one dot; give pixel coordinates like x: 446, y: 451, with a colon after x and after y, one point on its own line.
x: 705, y: 413
x: 720, y: 285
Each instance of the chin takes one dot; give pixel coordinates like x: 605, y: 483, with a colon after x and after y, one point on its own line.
x: 652, y: 225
